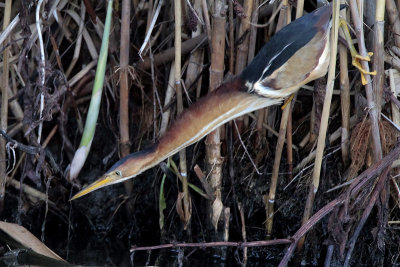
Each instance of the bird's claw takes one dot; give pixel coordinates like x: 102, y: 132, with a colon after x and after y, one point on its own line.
x: 355, y: 55
x: 366, y: 58
x: 356, y: 63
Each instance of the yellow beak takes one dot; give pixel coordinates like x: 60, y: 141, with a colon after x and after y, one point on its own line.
x: 103, y: 181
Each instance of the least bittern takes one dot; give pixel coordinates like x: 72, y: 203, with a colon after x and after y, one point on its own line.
x: 296, y: 55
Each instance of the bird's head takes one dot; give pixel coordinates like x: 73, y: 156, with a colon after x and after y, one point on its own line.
x: 126, y: 168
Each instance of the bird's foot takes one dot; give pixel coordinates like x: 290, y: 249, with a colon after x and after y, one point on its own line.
x: 366, y: 58
x: 356, y: 63
x: 355, y: 55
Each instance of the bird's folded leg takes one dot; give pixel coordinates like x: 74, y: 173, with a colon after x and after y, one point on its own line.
x: 287, y: 102
x: 356, y: 57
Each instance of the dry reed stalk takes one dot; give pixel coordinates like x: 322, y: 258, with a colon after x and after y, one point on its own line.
x: 63, y: 25
x: 244, y: 235
x: 260, y: 131
x: 179, y: 101
x: 395, y: 109
x: 395, y: 50
x: 196, y: 59
x: 270, y: 112
x: 272, y: 26
x: 168, y: 54
x: 396, y: 120
x: 315, y: 117
x: 86, y: 36
x: 78, y: 42
x: 231, y: 40
x: 378, y: 62
x: 284, y: 15
x: 124, y: 86
x: 344, y: 96
x: 31, y: 193
x: 289, y: 138
x: 4, y: 105
x: 151, y: 21
x: 206, y: 20
x: 150, y: 14
x: 252, y: 44
x: 324, y: 118
x: 283, y: 20
x: 393, y: 60
x: 253, y: 31
x: 393, y: 15
x: 269, y: 205
x: 332, y: 138
x: 169, y: 94
x: 299, y: 8
x: 372, y: 108
x: 213, y: 143
x: 242, y: 50
x: 270, y: 201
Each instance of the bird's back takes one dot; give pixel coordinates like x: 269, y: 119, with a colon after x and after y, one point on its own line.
x: 284, y: 45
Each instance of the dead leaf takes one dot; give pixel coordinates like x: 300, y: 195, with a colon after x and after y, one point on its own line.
x: 27, y: 239
x: 185, y: 217
x: 217, y: 207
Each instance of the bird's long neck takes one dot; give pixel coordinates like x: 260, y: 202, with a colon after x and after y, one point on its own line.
x: 227, y: 102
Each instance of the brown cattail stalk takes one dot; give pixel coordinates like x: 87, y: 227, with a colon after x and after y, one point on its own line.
x: 124, y: 85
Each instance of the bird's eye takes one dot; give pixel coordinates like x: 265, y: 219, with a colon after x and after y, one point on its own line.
x: 119, y: 173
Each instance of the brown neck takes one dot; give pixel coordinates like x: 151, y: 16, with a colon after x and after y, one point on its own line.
x: 227, y: 102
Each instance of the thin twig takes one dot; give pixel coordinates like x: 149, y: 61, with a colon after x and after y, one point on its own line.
x: 216, y: 244
x: 42, y: 65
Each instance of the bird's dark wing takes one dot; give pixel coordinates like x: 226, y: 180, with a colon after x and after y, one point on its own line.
x: 284, y: 45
